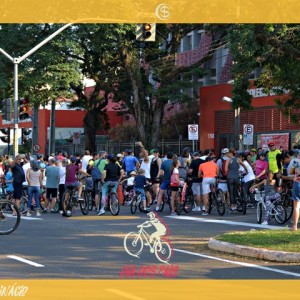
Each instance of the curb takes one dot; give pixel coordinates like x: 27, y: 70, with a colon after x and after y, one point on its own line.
x: 258, y: 253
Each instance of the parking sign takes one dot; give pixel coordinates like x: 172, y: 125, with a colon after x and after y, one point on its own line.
x: 248, y: 134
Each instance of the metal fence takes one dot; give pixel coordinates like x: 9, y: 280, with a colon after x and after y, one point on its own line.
x: 115, y: 147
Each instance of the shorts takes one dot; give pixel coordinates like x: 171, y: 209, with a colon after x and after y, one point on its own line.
x: 197, y: 188
x: 72, y: 185
x: 296, y: 191
x: 206, y: 183
x: 142, y: 192
x: 18, y: 190
x: 51, y: 192
x: 223, y: 186
x: 174, y: 188
x: 164, y: 185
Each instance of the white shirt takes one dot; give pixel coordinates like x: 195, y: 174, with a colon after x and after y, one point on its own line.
x: 84, y: 161
x: 25, y: 168
x: 62, y: 175
x: 146, y: 166
x: 250, y: 175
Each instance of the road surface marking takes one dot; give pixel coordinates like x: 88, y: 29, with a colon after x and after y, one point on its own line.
x: 125, y: 295
x: 103, y: 218
x: 240, y: 263
x: 225, y: 222
x: 26, y: 261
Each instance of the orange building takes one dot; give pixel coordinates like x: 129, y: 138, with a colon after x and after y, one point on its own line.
x: 216, y: 122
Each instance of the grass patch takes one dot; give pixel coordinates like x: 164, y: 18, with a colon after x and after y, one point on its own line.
x: 281, y: 240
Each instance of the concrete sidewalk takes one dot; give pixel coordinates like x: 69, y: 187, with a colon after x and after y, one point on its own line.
x: 258, y: 253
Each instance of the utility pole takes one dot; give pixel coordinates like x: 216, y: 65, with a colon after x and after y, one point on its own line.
x: 16, y: 61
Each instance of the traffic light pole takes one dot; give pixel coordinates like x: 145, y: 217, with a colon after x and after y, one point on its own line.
x: 16, y: 62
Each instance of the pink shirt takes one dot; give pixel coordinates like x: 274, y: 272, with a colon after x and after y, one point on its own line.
x: 260, y: 166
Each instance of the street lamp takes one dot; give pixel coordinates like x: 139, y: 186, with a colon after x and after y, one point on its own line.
x: 236, y: 130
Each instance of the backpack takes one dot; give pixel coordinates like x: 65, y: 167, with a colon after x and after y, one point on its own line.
x: 223, y: 173
x: 182, y: 170
x: 96, y: 174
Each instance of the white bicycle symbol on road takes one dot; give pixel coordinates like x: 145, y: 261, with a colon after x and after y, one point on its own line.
x: 134, y: 243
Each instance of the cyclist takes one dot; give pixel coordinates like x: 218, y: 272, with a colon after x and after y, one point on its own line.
x: 272, y: 159
x: 197, y: 182
x: 208, y: 171
x: 140, y: 182
x: 112, y: 173
x: 71, y: 180
x: 165, y: 171
x: 160, y: 227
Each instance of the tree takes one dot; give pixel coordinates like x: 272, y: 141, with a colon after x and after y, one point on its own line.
x: 274, y: 48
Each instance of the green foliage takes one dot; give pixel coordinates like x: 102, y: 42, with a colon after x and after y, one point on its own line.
x: 275, y: 49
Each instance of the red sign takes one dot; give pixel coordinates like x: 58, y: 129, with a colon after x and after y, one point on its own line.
x: 281, y: 140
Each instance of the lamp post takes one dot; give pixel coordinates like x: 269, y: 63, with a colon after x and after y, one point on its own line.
x: 236, y: 129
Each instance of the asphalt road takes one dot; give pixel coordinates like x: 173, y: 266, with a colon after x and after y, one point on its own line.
x: 92, y: 247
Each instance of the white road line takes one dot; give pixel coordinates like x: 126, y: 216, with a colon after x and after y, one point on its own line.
x: 25, y: 218
x: 240, y: 263
x: 26, y: 261
x: 125, y: 295
x: 253, y: 225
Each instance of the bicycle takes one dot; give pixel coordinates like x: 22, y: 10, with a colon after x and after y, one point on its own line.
x: 287, y: 202
x: 134, y: 244
x: 188, y: 196
x: 70, y: 200
x: 9, y: 217
x: 43, y: 201
x: 216, y: 199
x: 276, y: 211
x: 112, y: 200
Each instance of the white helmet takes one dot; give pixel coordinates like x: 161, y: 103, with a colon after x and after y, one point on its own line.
x: 225, y: 151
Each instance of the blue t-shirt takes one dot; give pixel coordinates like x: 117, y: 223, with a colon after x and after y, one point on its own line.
x: 52, y: 174
x: 166, y: 167
x: 140, y: 181
x: 9, y: 185
x: 129, y: 163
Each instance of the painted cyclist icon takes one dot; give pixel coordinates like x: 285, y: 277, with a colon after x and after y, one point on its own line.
x: 134, y: 242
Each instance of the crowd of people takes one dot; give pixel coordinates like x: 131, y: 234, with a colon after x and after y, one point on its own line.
x: 250, y: 168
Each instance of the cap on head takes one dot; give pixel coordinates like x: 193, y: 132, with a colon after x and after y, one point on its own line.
x: 133, y: 173
x: 120, y: 155
x: 73, y: 159
x: 110, y: 156
x: 271, y: 144
x: 196, y: 154
x: 253, y: 150
x: 152, y: 151
x: 225, y: 151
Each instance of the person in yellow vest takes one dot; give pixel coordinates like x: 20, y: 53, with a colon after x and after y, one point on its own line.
x: 272, y: 159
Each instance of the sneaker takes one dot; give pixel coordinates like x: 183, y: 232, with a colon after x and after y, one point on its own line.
x: 265, y: 222
x: 173, y: 213
x: 38, y: 214
x: 232, y: 210
x: 69, y: 213
x: 52, y: 211
x: 45, y: 211
x: 205, y: 213
x: 80, y: 199
x: 197, y: 208
x: 156, y: 209
x: 28, y: 214
x: 61, y: 212
x: 145, y: 211
x: 101, y: 212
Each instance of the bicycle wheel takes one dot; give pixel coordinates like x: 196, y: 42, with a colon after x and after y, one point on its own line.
x: 67, y: 204
x: 114, y: 204
x: 163, y: 251
x: 133, y: 205
x: 133, y: 244
x: 241, y: 204
x: 9, y: 217
x: 141, y: 204
x: 23, y: 204
x: 163, y: 201
x: 84, y: 205
x: 287, y: 203
x: 178, y: 203
x: 259, y: 212
x: 279, y: 213
x: 211, y: 202
x: 188, y: 202
x: 220, y: 202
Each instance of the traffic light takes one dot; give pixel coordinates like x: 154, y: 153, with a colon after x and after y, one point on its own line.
x: 6, y: 137
x: 23, y: 108
x: 6, y: 109
x: 25, y: 135
x: 146, y: 32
